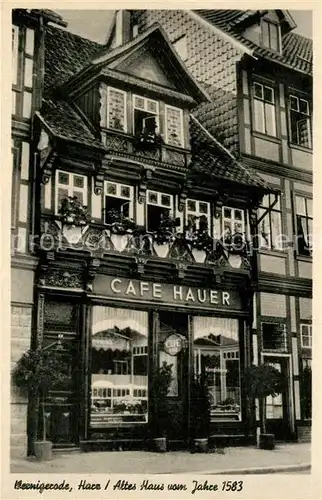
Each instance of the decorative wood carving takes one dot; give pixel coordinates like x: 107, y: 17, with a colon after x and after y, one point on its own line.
x: 40, y: 318
x: 181, y: 269
x: 181, y: 251
x: 140, y: 260
x: 182, y: 198
x: 46, y: 165
x: 64, y: 278
x: 91, y: 271
x: 146, y: 175
x: 99, y: 183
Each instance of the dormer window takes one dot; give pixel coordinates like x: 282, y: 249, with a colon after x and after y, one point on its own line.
x: 270, y: 35
x: 145, y: 117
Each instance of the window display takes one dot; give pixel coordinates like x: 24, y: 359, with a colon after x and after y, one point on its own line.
x: 119, y: 367
x: 216, y: 355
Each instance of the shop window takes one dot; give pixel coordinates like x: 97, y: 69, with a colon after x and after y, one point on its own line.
x: 270, y: 35
x: 159, y: 207
x: 181, y: 47
x: 15, y: 53
x: 118, y: 201
x: 270, y: 227
x: 174, y: 126
x: 233, y: 221
x: 116, y: 109
x: 198, y: 215
x: 145, y: 117
x: 119, y: 367
x: 306, y: 335
x: 264, y: 119
x: 300, y: 121
x: 304, y: 225
x: 68, y: 184
x: 274, y: 337
x: 216, y: 355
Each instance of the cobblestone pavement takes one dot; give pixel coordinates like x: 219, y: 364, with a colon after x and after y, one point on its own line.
x: 285, y: 458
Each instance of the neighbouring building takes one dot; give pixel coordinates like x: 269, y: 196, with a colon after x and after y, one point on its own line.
x: 145, y: 173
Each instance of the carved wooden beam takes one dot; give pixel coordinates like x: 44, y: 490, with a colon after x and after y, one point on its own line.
x: 90, y: 273
x: 146, y: 176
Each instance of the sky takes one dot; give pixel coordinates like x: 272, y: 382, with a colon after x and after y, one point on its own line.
x: 94, y: 24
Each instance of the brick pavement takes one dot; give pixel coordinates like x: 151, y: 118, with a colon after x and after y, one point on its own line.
x: 285, y: 457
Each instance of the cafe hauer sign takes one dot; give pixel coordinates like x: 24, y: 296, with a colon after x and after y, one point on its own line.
x: 132, y: 290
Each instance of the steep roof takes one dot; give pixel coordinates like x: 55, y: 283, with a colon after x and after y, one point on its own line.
x: 297, y: 50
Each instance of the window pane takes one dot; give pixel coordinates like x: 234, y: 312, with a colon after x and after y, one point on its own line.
x: 62, y: 193
x: 227, y: 213
x: 63, y: 178
x: 139, y: 102
x: 153, y: 198
x: 79, y: 196
x: 258, y: 90
x: 309, y: 207
x: 116, y: 109
x: 303, y: 131
x: 300, y: 205
x: 238, y: 215
x: 259, y: 118
x: 191, y: 205
x: 304, y: 106
x: 174, y: 126
x: 111, y: 188
x: 203, y: 208
x: 276, y: 230
x: 270, y: 119
x: 119, y: 373
x: 165, y: 200
x: 264, y: 230
x: 152, y: 106
x: 274, y: 336
x: 78, y: 181
x: 294, y: 103
x: 125, y: 191
x: 268, y: 94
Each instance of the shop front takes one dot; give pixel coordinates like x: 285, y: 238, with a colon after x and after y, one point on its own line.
x: 137, y: 326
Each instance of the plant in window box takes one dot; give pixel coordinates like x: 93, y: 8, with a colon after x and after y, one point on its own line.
x: 74, y: 218
x: 37, y: 372
x: 120, y: 227
x: 200, y: 241
x: 165, y: 234
x: 236, y: 246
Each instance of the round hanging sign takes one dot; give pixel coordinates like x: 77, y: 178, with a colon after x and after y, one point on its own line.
x: 174, y: 344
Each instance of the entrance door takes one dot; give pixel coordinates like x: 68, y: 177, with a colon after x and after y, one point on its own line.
x: 62, y: 404
x: 173, y: 332
x: 277, y: 408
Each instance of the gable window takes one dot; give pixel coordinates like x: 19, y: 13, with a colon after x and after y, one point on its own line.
x: 145, y: 116
x: 116, y: 109
x: 274, y: 336
x: 68, y: 184
x: 306, y: 335
x: 173, y: 126
x: 181, y: 47
x: 300, y: 121
x: 159, y: 206
x: 198, y: 215
x: 233, y: 221
x: 304, y: 223
x: 270, y: 35
x: 264, y: 109
x: 118, y: 200
x: 270, y: 227
x: 15, y: 46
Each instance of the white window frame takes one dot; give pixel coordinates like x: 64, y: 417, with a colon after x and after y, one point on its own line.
x: 146, y: 101
x: 265, y: 102
x: 167, y: 107
x: 198, y: 213
x: 109, y: 89
x: 159, y: 203
x: 70, y: 187
x: 308, y: 336
x: 129, y: 200
x: 233, y: 219
x: 306, y: 116
x: 15, y: 54
x: 268, y: 216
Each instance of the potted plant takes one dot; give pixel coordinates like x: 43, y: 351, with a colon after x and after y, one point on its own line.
x: 37, y: 372
x: 200, y: 241
x: 200, y: 413
x: 162, y: 379
x: 165, y: 235
x: 74, y: 217
x: 120, y: 227
x: 259, y: 382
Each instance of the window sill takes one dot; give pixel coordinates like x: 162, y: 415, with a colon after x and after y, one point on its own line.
x: 301, y: 148
x: 271, y: 253
x: 266, y: 137
x: 304, y: 258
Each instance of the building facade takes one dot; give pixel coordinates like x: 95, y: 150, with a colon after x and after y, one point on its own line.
x: 146, y: 172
